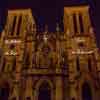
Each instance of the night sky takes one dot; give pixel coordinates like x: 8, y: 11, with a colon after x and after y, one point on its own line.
x: 50, y: 12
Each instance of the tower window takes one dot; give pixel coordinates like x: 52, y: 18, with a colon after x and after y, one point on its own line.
x: 13, y: 27
x: 19, y: 24
x: 81, y: 23
x: 75, y: 23
x: 14, y: 64
x: 89, y: 64
x: 12, y: 46
x: 27, y: 59
x: 3, y: 65
x: 81, y: 44
x: 77, y: 64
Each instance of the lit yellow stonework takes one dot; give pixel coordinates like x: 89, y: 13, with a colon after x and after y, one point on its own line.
x: 49, y: 58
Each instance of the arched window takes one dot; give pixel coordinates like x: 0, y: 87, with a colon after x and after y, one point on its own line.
x: 34, y: 60
x: 27, y: 59
x: 89, y: 64
x: 14, y: 64
x: 13, y: 26
x: 81, y: 23
x: 19, y: 25
x: 77, y: 64
x: 75, y: 23
x: 3, y: 65
x: 86, y: 92
x: 44, y: 92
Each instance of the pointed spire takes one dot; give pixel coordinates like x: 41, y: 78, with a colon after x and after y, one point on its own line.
x: 45, y: 36
x: 57, y: 27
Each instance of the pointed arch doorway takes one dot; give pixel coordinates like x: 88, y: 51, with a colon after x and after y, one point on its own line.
x: 4, y: 91
x: 44, y: 91
x: 86, y: 92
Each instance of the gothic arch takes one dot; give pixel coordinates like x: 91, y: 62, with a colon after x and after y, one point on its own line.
x: 86, y: 79
x: 86, y: 91
x: 44, y: 55
x: 5, y: 88
x: 39, y: 84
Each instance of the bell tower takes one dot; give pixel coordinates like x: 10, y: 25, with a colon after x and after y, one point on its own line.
x: 82, y: 53
x: 77, y: 19
x: 17, y: 43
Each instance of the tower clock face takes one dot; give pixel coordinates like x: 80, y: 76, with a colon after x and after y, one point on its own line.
x: 12, y: 47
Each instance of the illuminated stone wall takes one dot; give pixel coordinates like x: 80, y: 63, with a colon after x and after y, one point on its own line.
x: 62, y: 62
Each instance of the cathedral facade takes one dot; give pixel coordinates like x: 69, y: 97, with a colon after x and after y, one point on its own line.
x: 49, y: 65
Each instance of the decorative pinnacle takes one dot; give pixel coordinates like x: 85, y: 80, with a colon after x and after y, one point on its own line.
x: 57, y: 27
x: 45, y: 36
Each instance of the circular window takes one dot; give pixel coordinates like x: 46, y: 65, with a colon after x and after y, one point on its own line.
x: 81, y: 44
x: 12, y: 46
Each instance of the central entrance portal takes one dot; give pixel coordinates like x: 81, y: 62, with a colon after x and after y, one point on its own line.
x: 44, y: 92
x: 4, y: 92
x: 86, y: 92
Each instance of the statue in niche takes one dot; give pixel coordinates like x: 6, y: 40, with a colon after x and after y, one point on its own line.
x: 45, y: 56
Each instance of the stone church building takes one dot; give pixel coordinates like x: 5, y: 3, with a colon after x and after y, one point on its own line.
x: 49, y: 65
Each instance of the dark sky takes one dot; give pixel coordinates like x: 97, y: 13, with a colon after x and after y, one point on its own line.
x: 50, y: 11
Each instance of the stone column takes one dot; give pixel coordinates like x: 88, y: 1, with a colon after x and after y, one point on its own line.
x: 17, y: 81
x: 72, y: 81
x: 59, y: 88
x: 71, y: 24
x: 15, y: 91
x: 29, y: 91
